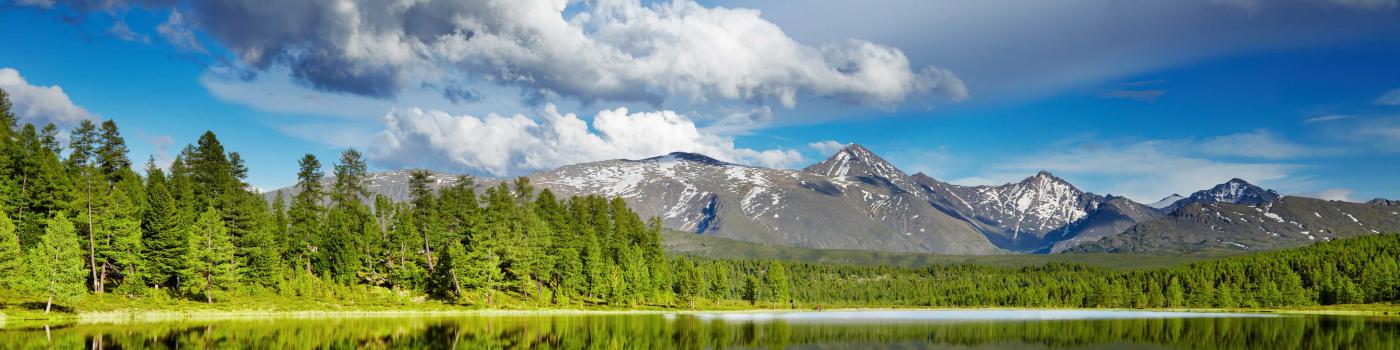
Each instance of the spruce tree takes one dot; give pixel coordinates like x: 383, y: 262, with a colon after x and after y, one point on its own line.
x: 210, y: 265
x: 163, y: 229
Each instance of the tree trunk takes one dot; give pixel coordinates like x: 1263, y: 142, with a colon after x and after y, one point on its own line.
x: 428, y: 252
x: 456, y: 286
x: 48, y: 306
x: 92, y: 242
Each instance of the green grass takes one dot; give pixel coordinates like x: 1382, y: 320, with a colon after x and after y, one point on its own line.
x: 722, y: 248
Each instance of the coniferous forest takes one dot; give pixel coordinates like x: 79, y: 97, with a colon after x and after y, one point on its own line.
x: 80, y: 220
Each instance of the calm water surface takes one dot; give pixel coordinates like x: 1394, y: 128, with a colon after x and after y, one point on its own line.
x: 980, y: 329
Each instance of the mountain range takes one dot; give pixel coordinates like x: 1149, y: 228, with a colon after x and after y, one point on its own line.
x: 857, y: 200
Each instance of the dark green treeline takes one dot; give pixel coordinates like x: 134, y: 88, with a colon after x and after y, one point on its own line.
x: 77, y: 219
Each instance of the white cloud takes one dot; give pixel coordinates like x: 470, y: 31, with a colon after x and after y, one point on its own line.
x: 120, y: 30
x: 827, y: 147
x: 1143, y: 171
x: 593, y: 51
x: 514, y: 145
x: 1331, y: 194
x: 1390, y: 98
x: 1328, y: 118
x: 1255, y: 144
x: 40, y: 104
x: 741, y: 122
x: 178, y: 33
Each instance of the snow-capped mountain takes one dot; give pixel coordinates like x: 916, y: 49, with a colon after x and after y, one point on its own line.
x: 1286, y: 222
x: 1235, y: 191
x: 1030, y: 215
x: 857, y: 200
x: 1167, y: 201
x: 1236, y: 215
x: 695, y: 193
x: 855, y: 161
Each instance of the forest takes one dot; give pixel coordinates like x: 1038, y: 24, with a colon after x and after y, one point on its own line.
x: 79, y: 220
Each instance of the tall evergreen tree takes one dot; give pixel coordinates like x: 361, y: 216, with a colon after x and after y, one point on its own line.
x: 306, y: 212
x: 210, y: 265
x: 163, y: 229
x: 83, y: 141
x: 112, y: 160
x: 423, y: 212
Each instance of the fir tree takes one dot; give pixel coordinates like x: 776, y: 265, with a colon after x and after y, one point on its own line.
x: 163, y: 230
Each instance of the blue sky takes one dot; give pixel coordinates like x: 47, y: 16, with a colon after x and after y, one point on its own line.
x: 1139, y: 99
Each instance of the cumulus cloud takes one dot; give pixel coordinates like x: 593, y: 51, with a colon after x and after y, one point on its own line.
x: 513, y: 145
x: 40, y: 104
x: 827, y: 147
x: 605, y: 50
x: 1390, y: 98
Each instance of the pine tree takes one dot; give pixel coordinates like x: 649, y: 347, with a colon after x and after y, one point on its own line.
x: 306, y: 212
x: 423, y: 213
x: 57, y: 262
x: 210, y: 265
x: 83, y: 141
x: 111, y: 152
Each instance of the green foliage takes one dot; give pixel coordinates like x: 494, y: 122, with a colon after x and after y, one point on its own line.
x: 11, y: 262
x: 56, y: 262
x: 199, y: 232
x: 210, y: 266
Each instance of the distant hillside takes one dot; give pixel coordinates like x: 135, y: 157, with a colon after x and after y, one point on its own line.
x: 722, y: 248
x: 1286, y: 222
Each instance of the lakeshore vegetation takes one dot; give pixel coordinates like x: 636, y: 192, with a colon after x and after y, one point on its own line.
x: 77, y: 221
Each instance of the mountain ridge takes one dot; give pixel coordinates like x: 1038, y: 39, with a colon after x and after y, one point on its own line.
x: 855, y: 199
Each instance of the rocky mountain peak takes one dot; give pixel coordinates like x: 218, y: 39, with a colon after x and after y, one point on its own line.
x: 1166, y: 201
x: 1236, y: 191
x: 857, y: 161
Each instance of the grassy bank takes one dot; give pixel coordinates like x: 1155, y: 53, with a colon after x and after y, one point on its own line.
x: 106, y: 310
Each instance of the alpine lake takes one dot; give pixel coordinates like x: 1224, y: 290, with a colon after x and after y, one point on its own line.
x: 911, y: 329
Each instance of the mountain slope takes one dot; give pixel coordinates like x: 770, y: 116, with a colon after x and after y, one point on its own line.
x: 1166, y: 201
x: 1235, y: 191
x: 1041, y: 213
x: 1286, y: 222
x: 694, y: 193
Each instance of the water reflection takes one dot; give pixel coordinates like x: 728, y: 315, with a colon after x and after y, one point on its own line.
x: 656, y: 331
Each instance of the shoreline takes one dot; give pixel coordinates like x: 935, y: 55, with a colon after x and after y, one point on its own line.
x: 116, y: 317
